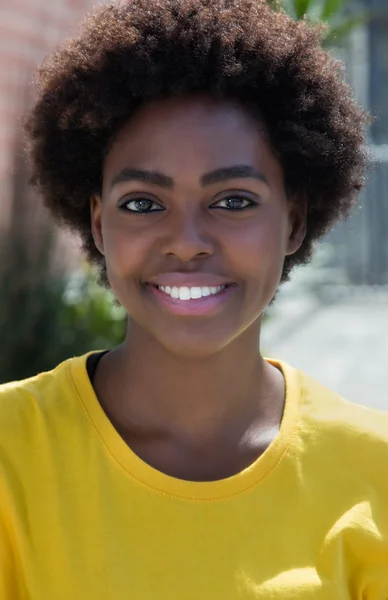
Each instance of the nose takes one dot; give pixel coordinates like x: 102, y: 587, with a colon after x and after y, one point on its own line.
x: 186, y: 238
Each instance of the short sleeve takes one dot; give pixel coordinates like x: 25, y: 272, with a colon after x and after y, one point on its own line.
x: 10, y: 584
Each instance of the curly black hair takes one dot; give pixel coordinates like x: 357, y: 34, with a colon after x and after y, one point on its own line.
x: 131, y: 52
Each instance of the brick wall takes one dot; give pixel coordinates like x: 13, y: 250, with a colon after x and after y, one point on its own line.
x: 29, y: 29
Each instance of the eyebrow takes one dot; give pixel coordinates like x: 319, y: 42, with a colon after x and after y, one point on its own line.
x: 164, y: 181
x: 153, y: 177
x: 234, y: 172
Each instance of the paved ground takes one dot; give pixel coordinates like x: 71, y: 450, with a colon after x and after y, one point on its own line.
x: 344, y: 345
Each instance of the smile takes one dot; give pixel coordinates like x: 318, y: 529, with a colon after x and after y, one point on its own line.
x: 191, y: 300
x: 191, y: 293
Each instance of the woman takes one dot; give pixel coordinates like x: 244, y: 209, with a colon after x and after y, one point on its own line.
x: 199, y: 148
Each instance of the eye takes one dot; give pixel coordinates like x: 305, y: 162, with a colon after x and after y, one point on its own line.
x: 141, y: 205
x: 234, y: 202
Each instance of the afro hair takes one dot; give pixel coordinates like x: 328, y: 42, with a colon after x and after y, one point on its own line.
x: 132, y: 52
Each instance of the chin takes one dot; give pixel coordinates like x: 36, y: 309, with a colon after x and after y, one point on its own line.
x: 198, y: 342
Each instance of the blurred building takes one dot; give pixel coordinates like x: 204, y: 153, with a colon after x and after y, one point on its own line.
x: 331, y: 319
x: 378, y: 69
x: 359, y: 247
x: 29, y: 29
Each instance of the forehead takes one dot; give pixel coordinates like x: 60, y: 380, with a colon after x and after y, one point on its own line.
x: 198, y: 133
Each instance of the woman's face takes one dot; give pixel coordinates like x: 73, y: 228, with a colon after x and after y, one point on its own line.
x: 194, y: 222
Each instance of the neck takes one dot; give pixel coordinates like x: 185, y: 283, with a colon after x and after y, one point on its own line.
x: 199, y: 400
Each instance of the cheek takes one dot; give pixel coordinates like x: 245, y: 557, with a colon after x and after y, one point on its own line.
x: 260, y: 248
x: 125, y: 250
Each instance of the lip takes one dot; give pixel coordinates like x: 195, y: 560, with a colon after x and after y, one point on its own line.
x: 208, y: 305
x: 197, y: 279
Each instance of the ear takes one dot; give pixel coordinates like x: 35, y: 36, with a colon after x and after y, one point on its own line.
x: 297, y: 227
x: 95, y: 216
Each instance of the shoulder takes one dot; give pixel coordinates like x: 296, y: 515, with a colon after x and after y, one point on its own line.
x: 28, y: 393
x: 324, y: 409
x: 28, y: 407
x: 333, y: 434
x: 344, y: 448
x: 38, y: 418
x: 343, y: 437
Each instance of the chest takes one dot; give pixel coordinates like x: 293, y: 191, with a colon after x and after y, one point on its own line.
x: 124, y: 546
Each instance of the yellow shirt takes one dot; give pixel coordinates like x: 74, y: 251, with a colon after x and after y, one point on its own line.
x: 83, y: 518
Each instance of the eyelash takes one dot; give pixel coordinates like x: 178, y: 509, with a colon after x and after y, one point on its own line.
x: 125, y: 204
x: 251, y: 204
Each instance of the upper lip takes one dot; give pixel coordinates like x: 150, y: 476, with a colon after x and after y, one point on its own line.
x: 189, y: 280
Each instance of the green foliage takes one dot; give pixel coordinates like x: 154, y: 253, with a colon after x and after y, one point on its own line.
x: 45, y: 316
x: 101, y: 322
x: 340, y: 22
x: 40, y: 327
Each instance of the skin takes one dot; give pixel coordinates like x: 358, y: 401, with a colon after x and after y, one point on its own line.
x: 191, y: 395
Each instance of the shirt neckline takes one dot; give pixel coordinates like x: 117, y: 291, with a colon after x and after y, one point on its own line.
x: 150, y: 477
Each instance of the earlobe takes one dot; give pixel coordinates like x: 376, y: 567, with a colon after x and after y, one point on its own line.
x: 298, y: 229
x: 95, y: 218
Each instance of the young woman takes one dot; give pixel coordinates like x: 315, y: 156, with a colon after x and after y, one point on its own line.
x: 199, y: 147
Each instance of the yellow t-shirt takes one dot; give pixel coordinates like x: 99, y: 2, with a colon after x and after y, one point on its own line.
x: 83, y: 518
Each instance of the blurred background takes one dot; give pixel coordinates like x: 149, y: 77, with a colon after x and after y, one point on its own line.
x: 331, y: 320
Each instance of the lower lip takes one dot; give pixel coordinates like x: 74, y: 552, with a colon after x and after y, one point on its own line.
x: 197, y: 306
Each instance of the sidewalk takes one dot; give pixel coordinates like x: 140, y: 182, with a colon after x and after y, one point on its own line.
x: 344, y: 345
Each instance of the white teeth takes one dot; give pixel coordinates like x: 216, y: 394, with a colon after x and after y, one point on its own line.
x: 190, y: 293
x: 195, y: 292
x: 184, y: 293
